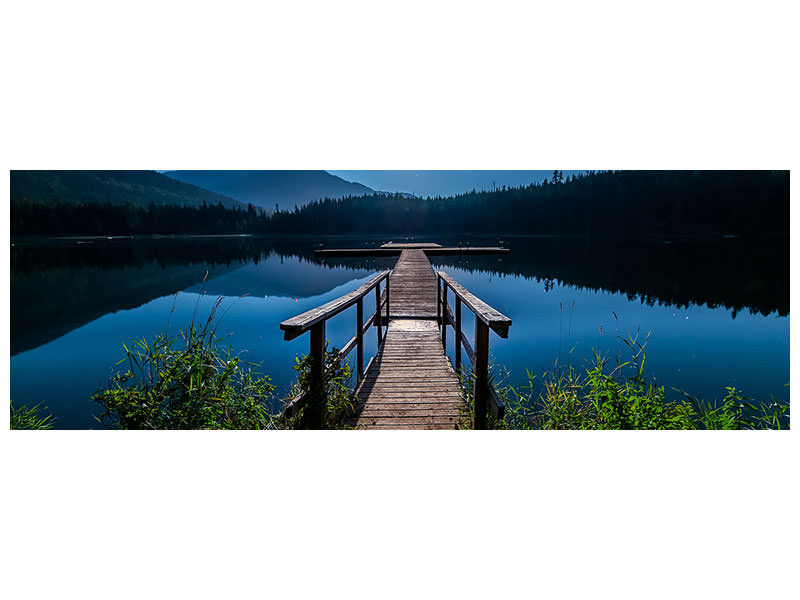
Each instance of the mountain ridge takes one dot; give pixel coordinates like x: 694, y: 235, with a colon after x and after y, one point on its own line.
x: 133, y: 187
x: 266, y: 189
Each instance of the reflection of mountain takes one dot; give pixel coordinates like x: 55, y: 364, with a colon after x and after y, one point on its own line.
x: 287, y: 189
x: 48, y: 304
x: 60, y: 286
x: 278, y: 276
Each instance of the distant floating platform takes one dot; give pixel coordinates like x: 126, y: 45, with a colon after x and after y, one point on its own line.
x: 395, y: 249
x: 411, y: 245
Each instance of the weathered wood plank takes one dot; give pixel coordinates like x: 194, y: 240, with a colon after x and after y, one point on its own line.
x: 402, y: 422
x: 466, y: 250
x: 376, y: 404
x: 427, y: 407
x: 434, y: 394
x: 407, y: 426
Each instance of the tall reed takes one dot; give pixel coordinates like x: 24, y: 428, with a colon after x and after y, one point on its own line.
x: 186, y: 381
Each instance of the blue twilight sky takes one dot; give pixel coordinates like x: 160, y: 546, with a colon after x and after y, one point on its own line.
x: 443, y: 183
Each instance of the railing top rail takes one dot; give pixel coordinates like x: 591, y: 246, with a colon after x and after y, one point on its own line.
x: 298, y: 325
x: 497, y: 321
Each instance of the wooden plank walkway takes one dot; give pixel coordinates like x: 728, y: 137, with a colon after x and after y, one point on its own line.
x: 410, y: 384
x: 412, y: 287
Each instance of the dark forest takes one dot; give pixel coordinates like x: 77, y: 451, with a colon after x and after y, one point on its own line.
x: 619, y: 203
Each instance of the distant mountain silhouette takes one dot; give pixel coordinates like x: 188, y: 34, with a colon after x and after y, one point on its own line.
x: 265, y: 189
x: 446, y: 183
x: 271, y: 278
x: 137, y: 188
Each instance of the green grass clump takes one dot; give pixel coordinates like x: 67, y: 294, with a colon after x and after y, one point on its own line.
x: 26, y: 417
x: 597, y: 400
x: 186, y: 381
x: 621, y: 398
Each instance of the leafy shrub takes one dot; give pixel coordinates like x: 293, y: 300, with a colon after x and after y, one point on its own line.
x: 186, y: 382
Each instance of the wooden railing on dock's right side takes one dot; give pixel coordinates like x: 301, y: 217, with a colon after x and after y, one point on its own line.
x: 314, y: 321
x: 486, y: 318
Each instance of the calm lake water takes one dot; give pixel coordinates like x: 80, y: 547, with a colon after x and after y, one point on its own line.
x: 717, y: 312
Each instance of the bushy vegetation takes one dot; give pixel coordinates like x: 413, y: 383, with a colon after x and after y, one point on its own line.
x: 602, y: 397
x: 621, y: 398
x: 334, y: 388
x: 186, y: 381
x: 190, y: 381
x: 30, y: 417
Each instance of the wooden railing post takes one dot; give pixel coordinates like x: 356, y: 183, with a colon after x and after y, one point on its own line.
x: 480, y: 391
x: 439, y: 299
x: 444, y: 318
x: 387, y: 300
x: 360, y: 338
x: 317, y: 354
x: 457, y: 327
x: 378, y: 313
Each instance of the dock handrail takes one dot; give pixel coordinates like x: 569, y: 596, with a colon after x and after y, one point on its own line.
x: 313, y: 321
x: 486, y: 318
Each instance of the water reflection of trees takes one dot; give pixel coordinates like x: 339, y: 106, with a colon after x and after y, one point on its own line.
x: 737, y: 274
x: 58, y: 286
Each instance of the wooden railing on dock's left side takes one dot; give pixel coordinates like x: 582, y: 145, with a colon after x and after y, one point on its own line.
x: 314, y: 320
x: 486, y: 318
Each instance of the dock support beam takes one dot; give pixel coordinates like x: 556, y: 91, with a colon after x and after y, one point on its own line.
x: 360, y: 338
x: 457, y: 328
x: 317, y: 353
x: 480, y: 390
x: 444, y: 319
x: 378, y: 314
x: 387, y: 302
x: 439, y: 301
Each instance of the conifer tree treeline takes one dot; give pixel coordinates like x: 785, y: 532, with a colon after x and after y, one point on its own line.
x: 30, y: 218
x: 619, y: 203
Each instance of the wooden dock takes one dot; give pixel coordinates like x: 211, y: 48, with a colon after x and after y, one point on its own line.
x: 410, y: 383
x: 397, y: 249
